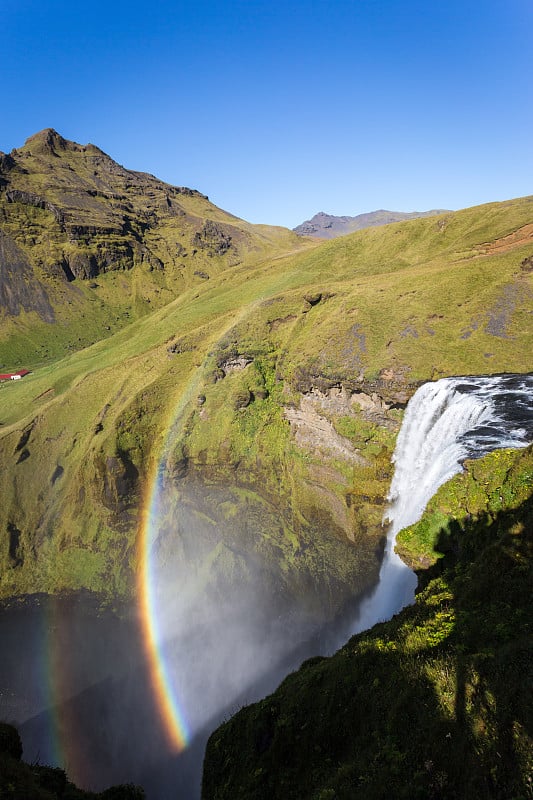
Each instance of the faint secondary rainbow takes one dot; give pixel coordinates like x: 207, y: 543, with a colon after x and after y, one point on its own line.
x: 54, y: 676
x: 66, y: 745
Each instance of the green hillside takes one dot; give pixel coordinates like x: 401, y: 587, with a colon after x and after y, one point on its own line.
x: 289, y: 373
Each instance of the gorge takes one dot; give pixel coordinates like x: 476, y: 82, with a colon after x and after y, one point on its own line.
x: 430, y: 669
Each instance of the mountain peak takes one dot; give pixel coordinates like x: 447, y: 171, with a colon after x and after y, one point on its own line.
x: 329, y: 226
x: 47, y: 140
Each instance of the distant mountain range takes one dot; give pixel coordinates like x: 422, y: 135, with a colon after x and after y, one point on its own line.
x: 328, y: 226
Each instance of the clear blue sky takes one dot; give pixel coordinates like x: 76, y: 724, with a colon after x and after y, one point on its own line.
x: 278, y: 110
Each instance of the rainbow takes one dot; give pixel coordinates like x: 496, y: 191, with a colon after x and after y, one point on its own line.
x: 171, y: 712
x: 172, y: 715
x: 56, y: 674
x: 67, y: 744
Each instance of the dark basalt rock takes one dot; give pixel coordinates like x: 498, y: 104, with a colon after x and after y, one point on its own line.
x: 19, y: 288
x: 81, y: 265
x: 119, y: 477
x: 527, y: 264
x: 10, y: 742
x: 242, y: 399
x: 15, y: 550
x: 30, y: 199
x: 7, y: 162
x: 212, y: 239
x: 24, y: 437
x: 24, y: 455
x: 58, y: 472
x: 313, y: 298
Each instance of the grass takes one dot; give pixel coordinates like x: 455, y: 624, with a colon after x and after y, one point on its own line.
x: 140, y: 231
x: 125, y: 377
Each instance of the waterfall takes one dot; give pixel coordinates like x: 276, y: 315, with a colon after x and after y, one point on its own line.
x: 445, y: 422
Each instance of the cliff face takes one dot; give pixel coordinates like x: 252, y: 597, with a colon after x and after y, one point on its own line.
x: 19, y: 779
x: 77, y: 209
x: 92, y: 213
x: 258, y: 382
x: 20, y: 289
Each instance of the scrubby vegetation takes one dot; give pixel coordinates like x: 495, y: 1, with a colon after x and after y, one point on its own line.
x: 20, y: 780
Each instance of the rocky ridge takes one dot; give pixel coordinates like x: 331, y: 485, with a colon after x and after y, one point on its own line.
x: 329, y: 226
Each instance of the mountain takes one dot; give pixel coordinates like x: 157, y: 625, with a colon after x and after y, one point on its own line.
x: 244, y: 382
x: 328, y: 226
x: 289, y: 371
x: 70, y: 215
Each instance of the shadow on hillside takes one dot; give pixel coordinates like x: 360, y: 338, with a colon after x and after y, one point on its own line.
x: 487, y: 560
x: 447, y: 718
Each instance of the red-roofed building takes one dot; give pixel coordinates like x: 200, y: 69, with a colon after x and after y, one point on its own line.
x: 14, y: 376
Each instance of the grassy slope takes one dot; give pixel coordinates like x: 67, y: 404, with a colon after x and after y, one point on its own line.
x: 435, y: 703
x: 399, y: 304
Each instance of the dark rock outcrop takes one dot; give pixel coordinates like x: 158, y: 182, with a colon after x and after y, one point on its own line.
x: 38, y: 782
x: 30, y: 199
x: 10, y: 742
x: 212, y: 238
x: 20, y: 289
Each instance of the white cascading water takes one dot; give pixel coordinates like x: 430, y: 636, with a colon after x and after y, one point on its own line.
x: 444, y: 423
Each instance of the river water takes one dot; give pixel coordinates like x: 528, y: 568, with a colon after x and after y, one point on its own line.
x: 73, y: 677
